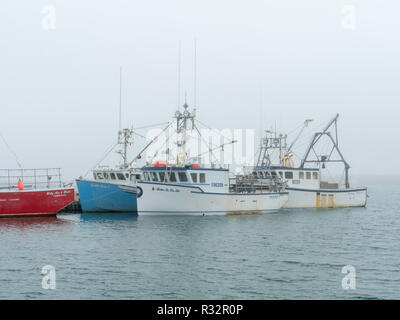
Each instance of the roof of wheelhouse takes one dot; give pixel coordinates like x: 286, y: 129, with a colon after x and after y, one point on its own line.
x: 283, y: 168
x: 172, y: 168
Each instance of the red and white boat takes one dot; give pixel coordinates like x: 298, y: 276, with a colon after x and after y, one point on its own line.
x: 33, y: 192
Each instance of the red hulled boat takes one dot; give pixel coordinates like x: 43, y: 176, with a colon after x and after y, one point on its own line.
x: 33, y: 192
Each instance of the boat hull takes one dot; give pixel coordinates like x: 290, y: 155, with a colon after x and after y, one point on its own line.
x: 106, y: 197
x: 45, y: 202
x: 326, y: 198
x: 170, y: 199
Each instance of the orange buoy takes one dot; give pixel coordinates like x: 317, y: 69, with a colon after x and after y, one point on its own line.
x: 195, y: 165
x: 160, y: 164
x: 20, y: 185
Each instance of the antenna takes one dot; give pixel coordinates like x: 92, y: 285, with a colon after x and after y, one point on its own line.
x: 120, y: 99
x: 195, y: 72
x: 179, y: 73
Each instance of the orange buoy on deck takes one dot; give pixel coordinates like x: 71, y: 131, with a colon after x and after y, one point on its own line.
x: 20, y: 185
x: 160, y: 164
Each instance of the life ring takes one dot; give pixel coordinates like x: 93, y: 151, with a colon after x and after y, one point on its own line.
x: 177, y: 162
x: 139, y: 192
x: 288, y: 162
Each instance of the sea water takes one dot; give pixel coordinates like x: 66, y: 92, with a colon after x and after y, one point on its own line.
x: 290, y: 254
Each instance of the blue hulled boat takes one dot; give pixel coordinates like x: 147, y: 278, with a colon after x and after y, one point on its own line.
x: 112, y: 190
x: 109, y: 191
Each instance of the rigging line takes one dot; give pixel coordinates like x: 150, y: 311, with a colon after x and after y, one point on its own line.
x: 11, y: 151
x: 139, y: 155
x: 210, y: 150
x: 150, y: 126
x: 212, y: 129
x: 218, y: 147
x: 210, y: 144
x: 140, y: 135
x: 295, y: 129
x: 108, y: 150
x: 160, y: 149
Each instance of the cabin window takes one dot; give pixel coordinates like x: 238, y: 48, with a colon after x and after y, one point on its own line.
x: 172, y: 177
x: 105, y: 175
x: 182, y: 177
x: 281, y: 174
x: 315, y: 175
x: 112, y: 176
x: 308, y: 175
x: 99, y: 175
x: 273, y: 174
x: 202, y: 178
x: 127, y: 175
x: 288, y: 174
x: 146, y: 176
x: 154, y: 176
x: 94, y: 175
x: 162, y: 176
x: 194, y: 177
x: 301, y: 175
x: 120, y: 176
x: 137, y: 177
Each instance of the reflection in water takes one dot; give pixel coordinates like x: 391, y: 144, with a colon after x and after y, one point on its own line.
x: 32, y: 223
x: 107, y: 217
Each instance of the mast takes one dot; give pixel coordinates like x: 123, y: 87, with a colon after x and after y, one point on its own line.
x: 124, y: 135
x: 195, y: 74
x: 272, y: 141
x: 182, y: 121
x: 179, y: 72
x: 120, y: 99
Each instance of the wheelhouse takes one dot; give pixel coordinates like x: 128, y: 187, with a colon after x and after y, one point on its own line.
x: 208, y: 179
x: 296, y: 177
x: 117, y: 176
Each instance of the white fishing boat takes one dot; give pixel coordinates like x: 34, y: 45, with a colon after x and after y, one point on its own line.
x: 184, y: 187
x: 306, y: 187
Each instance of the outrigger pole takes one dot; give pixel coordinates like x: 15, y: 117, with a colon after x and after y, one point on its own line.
x: 324, y: 158
x: 139, y: 155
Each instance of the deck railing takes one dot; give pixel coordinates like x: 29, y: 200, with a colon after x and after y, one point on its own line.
x: 32, y: 178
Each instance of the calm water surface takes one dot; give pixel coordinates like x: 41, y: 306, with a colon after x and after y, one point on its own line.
x: 292, y: 254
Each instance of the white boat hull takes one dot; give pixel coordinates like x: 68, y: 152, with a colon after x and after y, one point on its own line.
x: 320, y: 198
x: 171, y: 199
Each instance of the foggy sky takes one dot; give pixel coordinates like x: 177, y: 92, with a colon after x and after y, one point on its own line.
x: 259, y: 64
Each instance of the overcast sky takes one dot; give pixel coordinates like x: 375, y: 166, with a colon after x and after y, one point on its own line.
x: 59, y: 80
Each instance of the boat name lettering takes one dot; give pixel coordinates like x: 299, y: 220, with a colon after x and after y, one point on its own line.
x: 98, y: 186
x: 168, y: 189
x: 217, y: 184
x: 57, y: 193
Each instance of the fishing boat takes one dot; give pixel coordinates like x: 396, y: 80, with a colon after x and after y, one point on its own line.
x: 112, y: 189
x: 33, y: 192
x: 184, y: 187
x: 305, y: 183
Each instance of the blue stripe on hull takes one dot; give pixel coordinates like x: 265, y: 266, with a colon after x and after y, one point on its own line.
x: 105, y: 197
